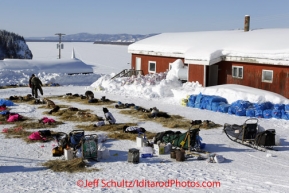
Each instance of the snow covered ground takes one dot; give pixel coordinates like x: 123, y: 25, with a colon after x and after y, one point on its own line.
x: 244, y: 169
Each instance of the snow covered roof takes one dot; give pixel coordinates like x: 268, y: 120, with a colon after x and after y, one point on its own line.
x: 269, y: 46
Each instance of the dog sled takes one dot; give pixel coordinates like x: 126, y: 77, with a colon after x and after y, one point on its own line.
x: 179, y: 140
x: 195, y: 147
x: 250, y: 135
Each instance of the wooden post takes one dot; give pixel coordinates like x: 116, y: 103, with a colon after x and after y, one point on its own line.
x: 247, y: 23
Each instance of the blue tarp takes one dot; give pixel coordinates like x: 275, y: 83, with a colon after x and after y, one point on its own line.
x: 215, y: 105
x: 278, y: 106
x: 191, y: 104
x: 267, y: 113
x: 258, y: 113
x: 192, y: 98
x: 223, y: 108
x: 276, y: 114
x: 208, y: 102
x: 241, y: 112
x: 198, y: 100
x: 191, y: 101
x: 231, y: 110
x: 6, y: 102
x: 4, y: 112
x: 250, y: 112
x: 263, y: 106
x: 217, y: 99
x: 205, y: 102
x: 240, y: 107
x: 285, y: 115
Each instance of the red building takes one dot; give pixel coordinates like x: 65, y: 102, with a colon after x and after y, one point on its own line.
x: 256, y: 58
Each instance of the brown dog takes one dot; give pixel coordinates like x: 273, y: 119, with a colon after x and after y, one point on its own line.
x: 49, y: 103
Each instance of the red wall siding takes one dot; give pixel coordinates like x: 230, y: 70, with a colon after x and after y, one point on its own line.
x: 196, y: 73
x: 162, y: 63
x: 252, y: 76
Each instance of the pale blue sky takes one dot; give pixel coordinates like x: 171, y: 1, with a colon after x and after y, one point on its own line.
x: 36, y: 18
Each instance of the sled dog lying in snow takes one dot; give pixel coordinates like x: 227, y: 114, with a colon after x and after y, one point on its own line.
x: 89, y: 94
x: 49, y: 103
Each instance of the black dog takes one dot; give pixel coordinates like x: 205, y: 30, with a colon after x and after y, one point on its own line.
x: 89, y: 94
x: 54, y: 110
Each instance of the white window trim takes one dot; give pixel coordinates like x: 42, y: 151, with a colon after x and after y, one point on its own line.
x: 269, y: 81
x: 149, y: 67
x: 238, y: 67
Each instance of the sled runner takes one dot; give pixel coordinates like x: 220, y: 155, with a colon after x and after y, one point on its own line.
x: 249, y: 135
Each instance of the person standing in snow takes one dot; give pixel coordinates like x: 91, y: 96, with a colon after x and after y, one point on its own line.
x: 36, y: 85
x: 108, y: 116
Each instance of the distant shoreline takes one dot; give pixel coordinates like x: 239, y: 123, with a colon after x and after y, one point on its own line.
x: 94, y: 42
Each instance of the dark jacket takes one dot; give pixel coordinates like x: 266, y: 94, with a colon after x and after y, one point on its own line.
x: 36, y: 82
x: 30, y: 83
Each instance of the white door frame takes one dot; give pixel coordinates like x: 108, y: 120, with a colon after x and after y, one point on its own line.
x: 137, y: 63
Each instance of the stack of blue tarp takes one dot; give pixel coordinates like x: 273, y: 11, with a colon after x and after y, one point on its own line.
x: 265, y: 110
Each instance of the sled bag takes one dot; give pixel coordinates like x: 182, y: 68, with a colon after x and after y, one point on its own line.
x: 181, y: 140
x: 76, y: 138
x: 266, y: 138
x: 90, y: 146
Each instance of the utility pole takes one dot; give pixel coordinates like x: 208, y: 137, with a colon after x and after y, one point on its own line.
x: 59, y: 45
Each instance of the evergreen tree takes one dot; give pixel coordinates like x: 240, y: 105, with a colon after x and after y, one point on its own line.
x: 10, y: 46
